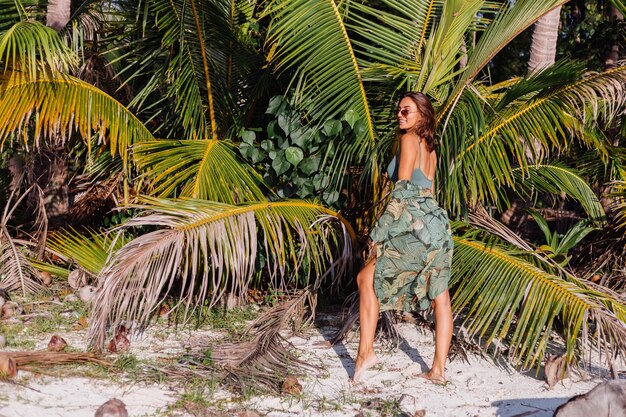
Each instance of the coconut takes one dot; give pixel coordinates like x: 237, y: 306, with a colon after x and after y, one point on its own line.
x: 46, y: 278
x: 77, y: 279
x: 87, y: 293
x: 56, y: 344
x: 70, y: 298
x: 8, y: 369
x: 112, y: 408
x: 9, y: 309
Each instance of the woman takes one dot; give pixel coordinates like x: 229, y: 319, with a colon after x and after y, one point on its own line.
x: 413, y: 242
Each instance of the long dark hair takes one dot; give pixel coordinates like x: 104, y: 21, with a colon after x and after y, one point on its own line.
x: 426, y: 128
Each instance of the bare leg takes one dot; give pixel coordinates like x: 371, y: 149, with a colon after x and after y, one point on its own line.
x: 368, y: 317
x: 443, y: 337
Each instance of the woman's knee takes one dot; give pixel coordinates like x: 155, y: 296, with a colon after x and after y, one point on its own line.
x: 361, y: 280
x: 365, y: 277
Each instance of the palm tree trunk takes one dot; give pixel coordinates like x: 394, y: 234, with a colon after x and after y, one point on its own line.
x: 52, y: 162
x: 58, y: 14
x: 613, y: 54
x: 543, y: 46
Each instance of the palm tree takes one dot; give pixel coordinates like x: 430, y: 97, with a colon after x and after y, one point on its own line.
x: 545, y: 35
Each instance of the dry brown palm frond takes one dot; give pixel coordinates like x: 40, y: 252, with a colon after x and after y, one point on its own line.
x: 47, y: 359
x: 386, y: 330
x: 265, y: 360
x: 16, y: 272
x: 480, y: 218
x: 96, y: 201
x: 207, y: 249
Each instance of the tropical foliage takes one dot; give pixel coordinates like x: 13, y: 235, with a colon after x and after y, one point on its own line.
x: 177, y: 110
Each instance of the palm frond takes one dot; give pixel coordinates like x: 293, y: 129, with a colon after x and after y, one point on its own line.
x: 441, y: 54
x: 392, y: 37
x: 618, y: 195
x: 30, y: 47
x: 16, y: 272
x: 542, y: 117
x: 62, y: 104
x: 310, y: 36
x: 482, y: 164
x: 507, y: 299
x: 265, y: 361
x: 187, y: 57
x: 620, y: 5
x: 555, y: 178
x: 509, y: 23
x: 89, y: 250
x: 205, y: 249
x: 13, y: 11
x: 190, y: 68
x: 204, y: 169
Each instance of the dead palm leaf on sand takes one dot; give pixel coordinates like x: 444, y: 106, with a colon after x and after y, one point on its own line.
x: 265, y: 359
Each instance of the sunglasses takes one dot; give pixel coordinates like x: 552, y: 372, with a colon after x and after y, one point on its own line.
x: 405, y: 112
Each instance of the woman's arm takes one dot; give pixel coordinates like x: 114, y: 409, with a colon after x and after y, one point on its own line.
x: 409, y: 148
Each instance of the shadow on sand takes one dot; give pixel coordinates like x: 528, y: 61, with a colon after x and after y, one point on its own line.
x: 527, y: 407
x: 347, y: 361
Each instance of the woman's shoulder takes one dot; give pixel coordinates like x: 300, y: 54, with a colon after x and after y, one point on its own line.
x: 410, y: 141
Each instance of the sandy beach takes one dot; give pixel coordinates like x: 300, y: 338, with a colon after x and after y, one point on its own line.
x: 390, y: 388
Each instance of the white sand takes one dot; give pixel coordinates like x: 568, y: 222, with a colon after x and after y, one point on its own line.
x: 477, y: 389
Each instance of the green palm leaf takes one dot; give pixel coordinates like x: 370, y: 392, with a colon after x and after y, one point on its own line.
x: 30, y: 47
x: 211, y: 248
x: 62, y: 104
x: 88, y: 250
x: 193, y: 55
x: 507, y: 298
x: 441, y: 53
x: 13, y: 11
x: 620, y: 5
x: 554, y: 178
x: 393, y: 37
x: 509, y: 23
x: 479, y: 165
x: 204, y: 169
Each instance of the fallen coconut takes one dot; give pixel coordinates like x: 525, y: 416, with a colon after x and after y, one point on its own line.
x: 77, y: 279
x: 8, y: 369
x: 87, y: 293
x: 112, y: 408
x: 9, y: 309
x: 56, y: 344
x: 291, y: 386
x: 46, y: 278
x: 119, y: 342
x: 70, y: 298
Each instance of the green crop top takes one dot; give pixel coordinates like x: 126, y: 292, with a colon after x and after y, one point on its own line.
x: 418, y: 177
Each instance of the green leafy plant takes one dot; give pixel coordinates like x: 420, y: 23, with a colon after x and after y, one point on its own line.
x: 558, y: 245
x: 295, y: 156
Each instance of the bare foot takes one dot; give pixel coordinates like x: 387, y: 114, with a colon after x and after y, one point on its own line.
x: 362, y: 364
x: 434, y: 377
